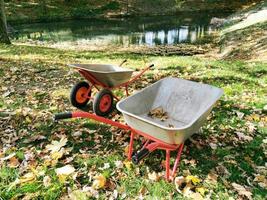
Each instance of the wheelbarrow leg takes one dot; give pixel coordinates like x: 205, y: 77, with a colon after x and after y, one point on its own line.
x: 177, y: 161
x: 130, y: 151
x: 167, y: 165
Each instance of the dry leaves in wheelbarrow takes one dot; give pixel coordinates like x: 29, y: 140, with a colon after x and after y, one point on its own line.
x: 158, y: 113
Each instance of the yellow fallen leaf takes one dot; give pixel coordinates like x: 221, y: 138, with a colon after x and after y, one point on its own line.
x: 28, y: 119
x: 126, y: 150
x: 64, y: 172
x: 57, y: 145
x: 253, y: 117
x: 259, y: 178
x: 99, y: 182
x: 29, y: 177
x: 201, y: 190
x: 56, y: 155
x: 195, y: 180
x: 38, y: 171
x: 128, y: 164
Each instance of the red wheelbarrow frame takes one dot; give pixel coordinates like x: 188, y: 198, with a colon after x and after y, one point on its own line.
x: 149, y: 145
x: 88, y: 76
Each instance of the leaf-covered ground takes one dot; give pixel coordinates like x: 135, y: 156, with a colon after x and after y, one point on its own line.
x: 82, y: 159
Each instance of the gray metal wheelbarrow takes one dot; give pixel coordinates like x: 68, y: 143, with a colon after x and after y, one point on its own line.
x: 187, y: 104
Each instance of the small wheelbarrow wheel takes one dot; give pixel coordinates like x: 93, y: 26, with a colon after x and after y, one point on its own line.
x: 79, y: 94
x: 103, y: 103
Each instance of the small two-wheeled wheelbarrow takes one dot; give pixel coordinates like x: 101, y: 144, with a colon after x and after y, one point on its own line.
x: 187, y: 104
x: 104, y: 78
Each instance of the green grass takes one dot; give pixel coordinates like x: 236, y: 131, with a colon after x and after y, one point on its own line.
x: 38, y: 80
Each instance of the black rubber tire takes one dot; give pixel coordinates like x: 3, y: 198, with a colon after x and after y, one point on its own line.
x: 96, y: 103
x: 73, y: 92
x: 135, y: 159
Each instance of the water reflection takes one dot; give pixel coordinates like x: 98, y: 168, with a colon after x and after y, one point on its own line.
x: 141, y: 31
x: 183, y: 34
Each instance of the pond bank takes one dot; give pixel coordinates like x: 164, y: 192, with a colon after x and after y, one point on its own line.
x: 42, y: 11
x: 245, y: 35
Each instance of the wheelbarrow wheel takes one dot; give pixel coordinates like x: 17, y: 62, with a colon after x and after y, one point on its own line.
x: 79, y: 94
x: 103, y: 103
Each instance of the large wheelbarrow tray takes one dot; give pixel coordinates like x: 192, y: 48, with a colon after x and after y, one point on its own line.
x: 187, y: 104
x: 109, y: 75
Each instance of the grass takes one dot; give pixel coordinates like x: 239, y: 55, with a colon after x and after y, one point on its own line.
x: 34, y: 85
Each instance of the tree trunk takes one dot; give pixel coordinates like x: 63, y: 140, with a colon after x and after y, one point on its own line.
x: 3, y: 26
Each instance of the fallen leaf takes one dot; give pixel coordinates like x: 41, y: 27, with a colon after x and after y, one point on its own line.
x: 158, y: 113
x: 47, y: 181
x: 34, y: 138
x: 78, y: 195
x: 8, y: 157
x: 90, y: 191
x: 153, y: 176
x: 26, y: 178
x: 213, y: 145
x: 253, y: 117
x: 195, y: 180
x: 201, y: 190
x: 242, y: 136
x: 187, y: 190
x: 261, y: 180
x: 56, y: 155
x: 64, y: 172
x: 106, y: 166
x: 212, y: 177
x: 99, y: 182
x: 195, y: 196
x: 221, y: 170
x: 115, y: 194
x: 126, y: 150
x: 178, y: 182
x: 57, y: 145
x: 239, y: 114
x: 119, y: 164
x: 128, y: 164
x: 241, y: 190
x: 13, y: 162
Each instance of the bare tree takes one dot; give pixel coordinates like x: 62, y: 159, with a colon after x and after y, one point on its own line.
x: 3, y: 26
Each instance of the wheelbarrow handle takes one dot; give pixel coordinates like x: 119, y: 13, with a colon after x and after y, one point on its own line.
x: 150, y: 66
x: 123, y: 62
x: 60, y: 116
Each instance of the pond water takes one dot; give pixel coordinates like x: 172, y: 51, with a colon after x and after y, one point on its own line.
x: 150, y: 31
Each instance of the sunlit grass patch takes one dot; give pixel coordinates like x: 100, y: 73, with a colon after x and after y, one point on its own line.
x: 229, y: 149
